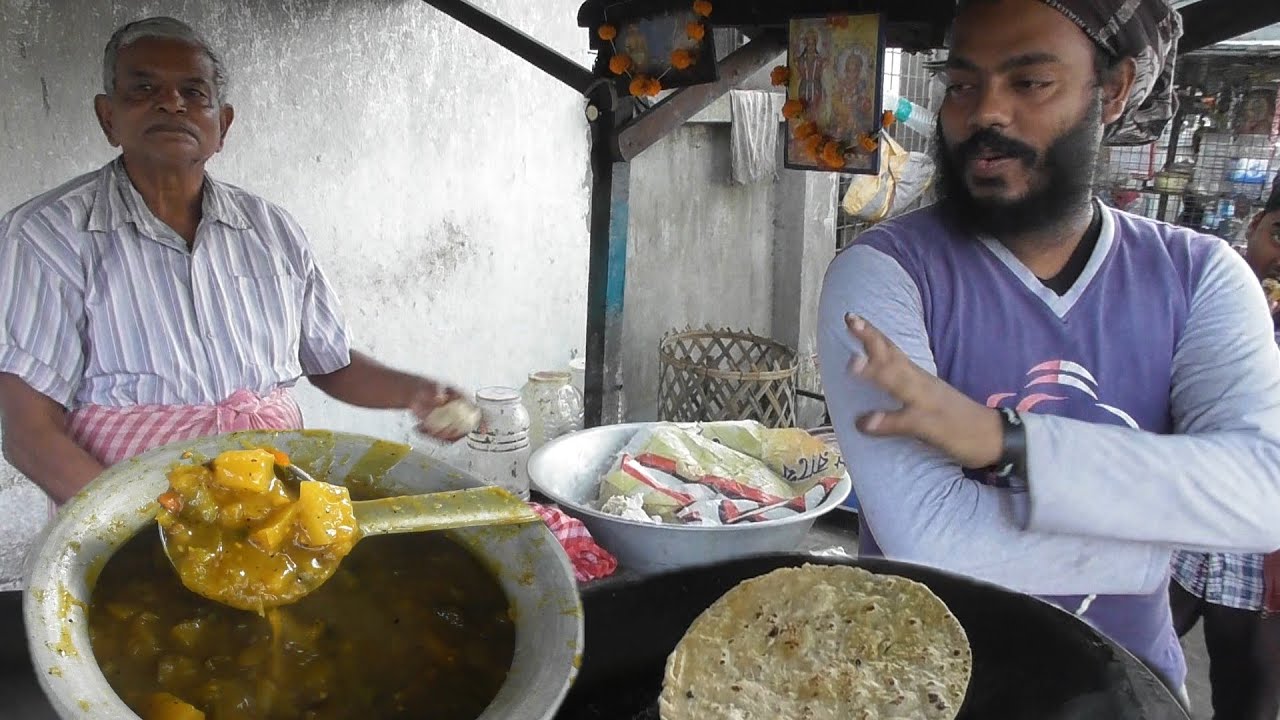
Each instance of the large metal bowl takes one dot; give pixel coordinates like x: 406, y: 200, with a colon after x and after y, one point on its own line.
x: 569, y: 469
x: 527, y: 560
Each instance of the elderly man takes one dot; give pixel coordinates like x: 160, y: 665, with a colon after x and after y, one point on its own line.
x: 146, y: 302
x: 1035, y: 389
x: 1238, y: 596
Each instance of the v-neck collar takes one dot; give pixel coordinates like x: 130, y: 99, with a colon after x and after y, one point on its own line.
x: 1060, y: 305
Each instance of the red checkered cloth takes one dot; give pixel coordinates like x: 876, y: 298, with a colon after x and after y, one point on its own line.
x: 590, y: 561
x: 113, y: 434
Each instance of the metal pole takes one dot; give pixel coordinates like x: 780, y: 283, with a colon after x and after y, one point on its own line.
x: 1171, y: 155
x: 607, y: 273
x: 535, y: 53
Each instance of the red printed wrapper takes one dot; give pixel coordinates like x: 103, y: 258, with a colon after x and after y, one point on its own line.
x: 691, y: 474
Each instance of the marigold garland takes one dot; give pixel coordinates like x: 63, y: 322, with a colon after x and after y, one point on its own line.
x: 643, y: 86
x: 619, y: 64
x: 811, y: 145
x: 681, y: 58
x: 793, y: 109
x: 832, y: 154
x: 805, y: 130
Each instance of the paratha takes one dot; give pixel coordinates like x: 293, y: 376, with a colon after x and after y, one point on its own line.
x: 820, y: 643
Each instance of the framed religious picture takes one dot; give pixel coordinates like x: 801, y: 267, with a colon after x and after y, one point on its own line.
x: 648, y: 54
x: 834, y: 78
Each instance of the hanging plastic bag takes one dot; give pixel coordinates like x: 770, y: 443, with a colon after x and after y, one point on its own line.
x: 903, y: 177
x: 914, y: 180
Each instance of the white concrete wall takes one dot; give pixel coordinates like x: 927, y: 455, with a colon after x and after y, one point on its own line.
x: 699, y: 251
x: 702, y: 250
x: 443, y: 181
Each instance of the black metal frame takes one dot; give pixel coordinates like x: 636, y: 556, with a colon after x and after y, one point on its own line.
x: 623, y: 128
x: 1207, y: 22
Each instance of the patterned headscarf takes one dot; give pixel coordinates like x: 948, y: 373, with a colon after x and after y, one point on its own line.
x: 1147, y: 31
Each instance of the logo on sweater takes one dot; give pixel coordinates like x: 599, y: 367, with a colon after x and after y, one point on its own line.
x: 1057, y: 381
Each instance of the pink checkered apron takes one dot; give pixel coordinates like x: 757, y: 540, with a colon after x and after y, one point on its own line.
x: 113, y: 434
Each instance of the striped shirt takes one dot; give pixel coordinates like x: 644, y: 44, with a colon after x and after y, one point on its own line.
x: 101, y: 303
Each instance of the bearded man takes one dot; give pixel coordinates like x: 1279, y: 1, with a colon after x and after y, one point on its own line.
x: 1037, y: 390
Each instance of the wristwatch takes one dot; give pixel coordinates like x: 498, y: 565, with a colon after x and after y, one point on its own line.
x: 1011, y: 468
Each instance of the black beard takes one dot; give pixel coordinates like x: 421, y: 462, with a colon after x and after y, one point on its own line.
x: 1062, y: 179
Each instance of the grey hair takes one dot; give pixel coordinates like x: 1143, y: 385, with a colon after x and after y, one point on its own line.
x: 166, y: 28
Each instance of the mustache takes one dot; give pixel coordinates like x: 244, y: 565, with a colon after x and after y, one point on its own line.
x: 991, y: 140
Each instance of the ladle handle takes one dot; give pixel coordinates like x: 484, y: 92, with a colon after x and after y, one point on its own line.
x: 446, y: 510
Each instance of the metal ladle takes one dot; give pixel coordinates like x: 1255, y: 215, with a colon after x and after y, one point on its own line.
x: 472, y: 507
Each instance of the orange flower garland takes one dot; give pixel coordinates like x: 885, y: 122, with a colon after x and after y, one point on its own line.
x: 832, y: 155
x: 805, y: 130
x: 619, y: 64
x: 642, y: 86
x: 793, y: 109
x: 681, y: 58
x: 825, y: 150
x: 811, y: 145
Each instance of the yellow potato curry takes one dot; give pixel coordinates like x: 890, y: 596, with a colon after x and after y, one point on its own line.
x: 240, y: 535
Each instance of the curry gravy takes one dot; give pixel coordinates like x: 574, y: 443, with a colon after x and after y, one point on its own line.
x: 409, y: 626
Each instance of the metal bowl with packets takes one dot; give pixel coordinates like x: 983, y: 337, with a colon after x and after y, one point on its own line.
x: 662, y: 496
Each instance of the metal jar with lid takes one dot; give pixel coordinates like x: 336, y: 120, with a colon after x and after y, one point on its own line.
x: 499, y: 448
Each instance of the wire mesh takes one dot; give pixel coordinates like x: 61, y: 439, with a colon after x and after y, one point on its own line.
x: 1213, y: 180
x: 1215, y: 164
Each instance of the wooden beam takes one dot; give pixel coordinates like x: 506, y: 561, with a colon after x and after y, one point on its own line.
x: 1208, y: 22
x: 680, y: 106
x: 532, y: 51
x: 913, y: 25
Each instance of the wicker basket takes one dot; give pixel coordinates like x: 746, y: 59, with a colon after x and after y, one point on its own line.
x: 708, y: 375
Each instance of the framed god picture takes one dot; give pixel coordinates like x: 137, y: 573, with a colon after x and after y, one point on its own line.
x: 649, y: 54
x: 834, y: 78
